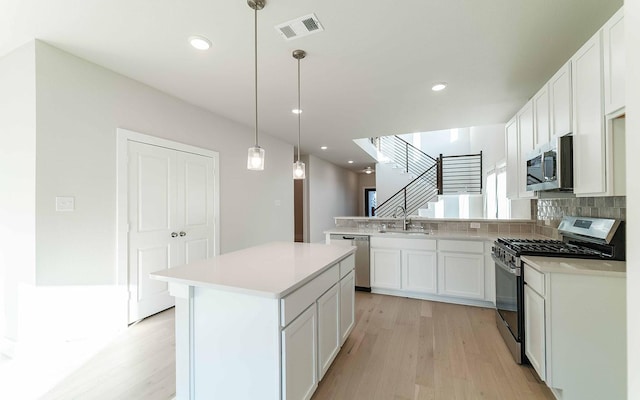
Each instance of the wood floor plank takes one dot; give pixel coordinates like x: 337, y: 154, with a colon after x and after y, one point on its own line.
x: 448, y: 351
x: 401, y: 349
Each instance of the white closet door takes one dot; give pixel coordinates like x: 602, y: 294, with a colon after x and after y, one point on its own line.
x: 171, y: 220
x: 195, y: 207
x: 152, y: 204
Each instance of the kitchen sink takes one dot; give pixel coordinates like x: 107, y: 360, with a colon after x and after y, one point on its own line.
x: 405, y: 233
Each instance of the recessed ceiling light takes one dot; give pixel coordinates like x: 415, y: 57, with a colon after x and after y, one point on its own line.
x: 350, y: 161
x: 439, y: 86
x: 200, y: 42
x: 296, y: 111
x: 323, y: 147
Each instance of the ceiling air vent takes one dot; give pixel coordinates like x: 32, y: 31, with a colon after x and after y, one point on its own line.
x: 300, y: 27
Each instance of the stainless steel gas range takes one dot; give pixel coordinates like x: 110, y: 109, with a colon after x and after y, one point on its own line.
x: 583, y: 237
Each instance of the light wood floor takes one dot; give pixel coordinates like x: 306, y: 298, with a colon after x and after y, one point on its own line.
x: 413, y: 349
x: 400, y: 349
x: 139, y: 364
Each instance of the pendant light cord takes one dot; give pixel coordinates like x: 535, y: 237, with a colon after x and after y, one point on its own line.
x: 299, y: 110
x: 255, y: 37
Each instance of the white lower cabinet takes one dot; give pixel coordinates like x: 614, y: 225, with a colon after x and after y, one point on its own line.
x: 419, y: 271
x: 299, y: 362
x: 461, y: 275
x: 312, y: 339
x: 328, y: 329
x: 534, y: 320
x: 347, y: 305
x: 575, y: 332
x: 385, y: 268
x: 534, y: 326
x: 442, y: 270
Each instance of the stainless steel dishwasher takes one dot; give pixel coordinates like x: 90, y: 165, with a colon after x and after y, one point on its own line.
x: 362, y: 257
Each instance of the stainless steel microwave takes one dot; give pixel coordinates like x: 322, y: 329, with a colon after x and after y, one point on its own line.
x: 550, y: 166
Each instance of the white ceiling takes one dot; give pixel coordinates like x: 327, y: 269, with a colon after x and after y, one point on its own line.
x: 368, y: 74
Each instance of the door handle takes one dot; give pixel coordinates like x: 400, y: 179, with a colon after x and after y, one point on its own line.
x: 174, y: 234
x: 183, y: 233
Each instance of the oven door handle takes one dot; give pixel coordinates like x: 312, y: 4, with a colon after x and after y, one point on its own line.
x: 504, y: 266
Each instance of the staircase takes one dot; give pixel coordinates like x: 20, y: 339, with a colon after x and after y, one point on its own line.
x: 432, y: 176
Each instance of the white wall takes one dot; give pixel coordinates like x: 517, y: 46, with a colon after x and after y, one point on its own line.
x: 18, y: 180
x: 79, y: 107
x: 442, y: 142
x: 490, y: 140
x: 389, y: 180
x: 632, y: 45
x: 333, y: 192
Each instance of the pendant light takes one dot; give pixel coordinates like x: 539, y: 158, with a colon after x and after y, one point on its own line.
x: 298, y: 166
x: 255, y: 159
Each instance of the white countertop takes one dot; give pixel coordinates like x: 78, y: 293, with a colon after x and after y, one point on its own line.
x: 577, y: 266
x: 436, y: 235
x: 430, y: 219
x: 270, y: 270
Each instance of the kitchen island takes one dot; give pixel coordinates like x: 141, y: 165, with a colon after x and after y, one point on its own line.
x: 264, y: 322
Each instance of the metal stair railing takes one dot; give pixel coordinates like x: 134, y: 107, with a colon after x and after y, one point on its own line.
x: 415, y: 194
x: 404, y: 155
x: 412, y: 160
x: 460, y: 174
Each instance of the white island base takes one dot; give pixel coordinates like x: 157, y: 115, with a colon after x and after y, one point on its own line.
x: 261, y: 323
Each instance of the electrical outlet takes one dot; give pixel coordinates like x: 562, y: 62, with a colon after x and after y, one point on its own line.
x: 65, y: 203
x: 474, y: 225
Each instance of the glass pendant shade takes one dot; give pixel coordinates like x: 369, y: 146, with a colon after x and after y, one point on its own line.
x: 255, y: 159
x: 298, y: 170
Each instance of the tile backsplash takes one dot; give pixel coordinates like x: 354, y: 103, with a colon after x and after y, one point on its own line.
x: 499, y: 227
x: 551, y: 211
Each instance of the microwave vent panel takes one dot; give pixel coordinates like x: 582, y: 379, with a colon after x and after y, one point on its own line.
x: 299, y: 27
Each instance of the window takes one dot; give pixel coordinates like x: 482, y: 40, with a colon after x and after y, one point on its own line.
x: 497, y: 204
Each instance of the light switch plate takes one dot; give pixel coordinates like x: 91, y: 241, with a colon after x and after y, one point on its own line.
x: 66, y: 203
x: 474, y: 225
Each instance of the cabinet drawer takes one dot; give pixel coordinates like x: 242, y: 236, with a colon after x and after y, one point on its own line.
x: 534, y: 279
x: 295, y: 303
x: 403, y: 244
x: 347, y: 265
x: 461, y: 246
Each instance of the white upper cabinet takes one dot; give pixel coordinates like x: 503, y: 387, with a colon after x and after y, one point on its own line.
x: 589, y: 162
x: 614, y: 63
x: 560, y: 105
x: 586, y: 98
x: 541, y: 120
x: 513, y: 166
x: 525, y: 130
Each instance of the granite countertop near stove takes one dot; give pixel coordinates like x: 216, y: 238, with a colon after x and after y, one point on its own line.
x: 418, y: 234
x: 578, y: 266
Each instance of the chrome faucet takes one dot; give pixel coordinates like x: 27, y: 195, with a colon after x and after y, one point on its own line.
x: 405, y: 221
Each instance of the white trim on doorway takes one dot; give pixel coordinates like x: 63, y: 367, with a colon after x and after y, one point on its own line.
x: 123, y: 136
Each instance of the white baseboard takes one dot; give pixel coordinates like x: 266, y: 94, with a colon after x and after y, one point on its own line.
x: 70, y: 313
x: 435, y: 297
